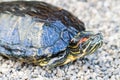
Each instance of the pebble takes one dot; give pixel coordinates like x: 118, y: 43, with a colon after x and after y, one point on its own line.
x: 98, y: 16
x: 60, y: 73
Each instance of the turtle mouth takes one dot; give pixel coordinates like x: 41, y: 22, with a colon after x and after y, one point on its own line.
x: 90, y: 43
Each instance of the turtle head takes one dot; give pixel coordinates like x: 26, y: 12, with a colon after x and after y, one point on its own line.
x: 85, y: 43
x: 82, y: 44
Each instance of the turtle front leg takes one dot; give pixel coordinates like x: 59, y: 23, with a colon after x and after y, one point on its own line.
x: 58, y: 61
x: 62, y: 60
x: 53, y: 61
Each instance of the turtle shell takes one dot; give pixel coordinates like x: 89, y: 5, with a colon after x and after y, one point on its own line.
x: 35, y: 29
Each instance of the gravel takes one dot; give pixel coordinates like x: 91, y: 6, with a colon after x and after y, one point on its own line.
x: 99, y: 16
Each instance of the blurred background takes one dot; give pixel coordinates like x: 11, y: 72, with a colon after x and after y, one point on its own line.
x: 99, y: 16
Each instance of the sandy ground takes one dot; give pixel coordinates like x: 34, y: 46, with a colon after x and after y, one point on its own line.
x: 99, y: 16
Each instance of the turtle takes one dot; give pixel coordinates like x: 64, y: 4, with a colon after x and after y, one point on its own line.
x: 40, y: 33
